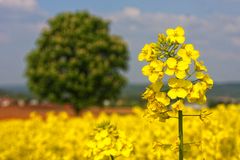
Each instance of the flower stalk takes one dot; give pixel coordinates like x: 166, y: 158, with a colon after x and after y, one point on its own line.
x: 188, y: 81
x: 180, y: 134
x: 111, y: 157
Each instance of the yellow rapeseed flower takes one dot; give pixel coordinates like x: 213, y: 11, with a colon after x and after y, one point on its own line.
x: 205, y: 78
x: 176, y: 35
x: 199, y: 66
x: 179, y: 68
x: 154, y: 70
x: 179, y: 88
x: 155, y: 106
x: 152, y: 90
x: 197, y: 93
x: 178, y: 105
x: 107, y: 141
x: 162, y: 98
x: 148, y: 52
x: 188, y: 52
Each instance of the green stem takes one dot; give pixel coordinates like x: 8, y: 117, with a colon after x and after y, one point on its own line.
x: 180, y: 134
x: 190, y: 75
x: 192, y: 115
x: 171, y: 49
x: 111, y: 157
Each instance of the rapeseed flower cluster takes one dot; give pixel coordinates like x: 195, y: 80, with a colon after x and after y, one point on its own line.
x: 107, y: 142
x: 171, y: 59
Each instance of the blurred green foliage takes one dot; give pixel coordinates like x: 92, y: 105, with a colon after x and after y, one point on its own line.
x: 76, y: 60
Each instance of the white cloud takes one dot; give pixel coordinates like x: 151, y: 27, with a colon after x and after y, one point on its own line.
x: 216, y: 36
x: 153, y: 21
x: 236, y: 41
x: 127, y: 12
x: 131, y: 11
x: 214, y: 28
x: 27, y: 5
x: 4, y: 38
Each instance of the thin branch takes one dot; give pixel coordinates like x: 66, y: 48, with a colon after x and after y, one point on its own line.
x: 192, y: 115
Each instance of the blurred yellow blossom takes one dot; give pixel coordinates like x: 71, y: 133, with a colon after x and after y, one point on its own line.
x: 68, y: 139
x: 107, y: 141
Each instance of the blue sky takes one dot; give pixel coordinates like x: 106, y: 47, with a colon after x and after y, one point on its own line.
x: 212, y: 25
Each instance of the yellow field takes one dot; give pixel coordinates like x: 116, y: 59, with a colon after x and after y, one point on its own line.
x: 63, y: 138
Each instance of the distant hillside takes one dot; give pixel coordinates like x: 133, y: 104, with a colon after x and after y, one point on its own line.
x: 219, y: 90
x: 134, y: 91
x: 225, y: 90
x: 14, y: 90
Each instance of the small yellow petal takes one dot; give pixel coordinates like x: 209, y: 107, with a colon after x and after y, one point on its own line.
x: 200, y: 75
x: 153, y: 77
x: 195, y: 55
x: 170, y: 32
x: 180, y: 31
x: 157, y: 86
x: 182, y: 53
x: 172, y: 82
x: 141, y: 56
x: 189, y: 47
x: 157, y: 64
x: 181, y: 93
x: 171, y: 62
x: 180, y: 40
x: 182, y: 65
x: 169, y: 72
x: 178, y: 105
x: 162, y: 98
x: 200, y: 66
x: 172, y: 93
x: 146, y: 70
x: 181, y: 74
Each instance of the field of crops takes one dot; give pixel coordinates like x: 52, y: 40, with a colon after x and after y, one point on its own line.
x: 134, y: 138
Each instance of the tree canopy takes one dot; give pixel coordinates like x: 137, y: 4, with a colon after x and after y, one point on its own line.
x: 76, y: 60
